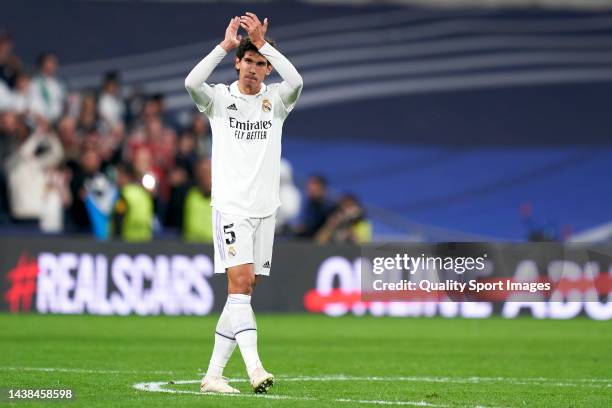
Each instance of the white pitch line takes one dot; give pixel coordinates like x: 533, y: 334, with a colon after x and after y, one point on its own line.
x: 471, y: 379
x: 383, y: 402
x: 561, y: 382
x: 158, y: 387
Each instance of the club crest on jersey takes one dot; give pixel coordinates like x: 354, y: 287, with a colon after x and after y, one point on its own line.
x: 266, y: 105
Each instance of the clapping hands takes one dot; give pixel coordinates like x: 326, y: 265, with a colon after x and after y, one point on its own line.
x: 251, y: 24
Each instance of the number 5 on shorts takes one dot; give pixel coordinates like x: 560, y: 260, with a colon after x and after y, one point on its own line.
x: 232, y: 234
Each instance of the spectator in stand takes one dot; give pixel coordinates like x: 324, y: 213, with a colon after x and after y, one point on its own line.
x: 91, y: 139
x: 347, y: 224
x: 180, y: 179
x: 28, y: 169
x: 201, y: 133
x: 290, y: 199
x: 197, y: 220
x: 20, y: 97
x: 47, y: 93
x: 84, y: 171
x: 10, y: 66
x: 151, y: 129
x: 16, y: 99
x: 537, y: 232
x: 142, y: 124
x: 88, y: 113
x: 101, y: 195
x: 111, y: 107
x: 133, y: 214
x: 160, y: 141
x: 168, y: 118
x: 6, y: 97
x: 66, y: 131
x: 153, y: 178
x: 316, y: 209
x: 12, y: 131
x: 56, y: 199
x: 134, y: 104
x: 111, y: 146
x: 186, y: 156
x: 144, y: 166
x: 166, y: 150
x: 179, y: 182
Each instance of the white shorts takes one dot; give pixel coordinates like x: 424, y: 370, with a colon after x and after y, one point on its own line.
x: 239, y: 240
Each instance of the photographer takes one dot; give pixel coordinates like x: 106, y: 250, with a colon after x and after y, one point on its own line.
x: 28, y: 169
x: 347, y: 224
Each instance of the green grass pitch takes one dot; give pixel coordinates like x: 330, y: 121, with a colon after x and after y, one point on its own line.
x: 319, y: 361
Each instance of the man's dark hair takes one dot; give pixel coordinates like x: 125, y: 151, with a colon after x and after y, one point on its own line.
x: 43, y: 56
x: 110, y: 76
x: 157, y: 98
x: 247, y: 45
x: 127, y: 169
x: 319, y: 178
x: 26, y: 73
x: 350, y: 197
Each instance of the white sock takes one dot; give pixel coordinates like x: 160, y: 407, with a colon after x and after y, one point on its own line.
x: 244, y: 328
x: 225, y: 343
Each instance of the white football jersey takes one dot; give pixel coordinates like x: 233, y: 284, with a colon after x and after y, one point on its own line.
x: 246, y: 149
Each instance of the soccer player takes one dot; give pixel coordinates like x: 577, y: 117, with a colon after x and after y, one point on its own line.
x: 246, y: 118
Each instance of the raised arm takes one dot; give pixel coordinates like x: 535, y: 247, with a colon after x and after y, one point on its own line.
x: 292, y: 83
x: 199, y: 90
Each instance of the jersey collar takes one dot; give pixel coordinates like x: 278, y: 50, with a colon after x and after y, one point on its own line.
x: 236, y: 92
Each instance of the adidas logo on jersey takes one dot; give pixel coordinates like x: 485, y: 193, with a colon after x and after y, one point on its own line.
x: 232, y: 107
x: 267, y: 265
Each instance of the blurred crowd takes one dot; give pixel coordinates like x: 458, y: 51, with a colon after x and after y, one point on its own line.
x: 114, y: 163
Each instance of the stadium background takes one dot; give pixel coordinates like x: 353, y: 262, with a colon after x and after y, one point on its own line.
x: 432, y: 122
x: 430, y: 96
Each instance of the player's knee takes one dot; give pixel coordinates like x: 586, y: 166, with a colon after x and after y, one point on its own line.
x: 242, y: 283
x: 246, y: 284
